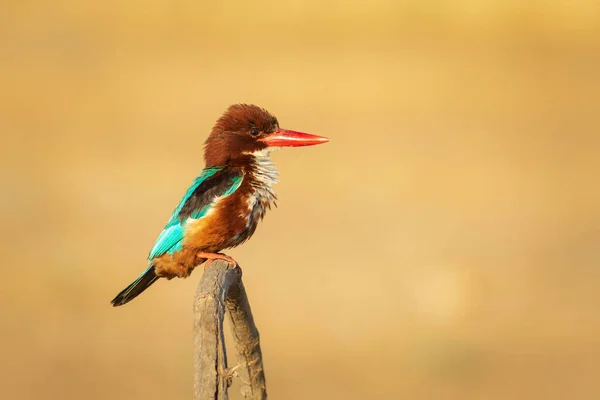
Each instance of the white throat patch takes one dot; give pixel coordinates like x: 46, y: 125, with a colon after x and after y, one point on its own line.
x: 265, y: 176
x: 266, y: 173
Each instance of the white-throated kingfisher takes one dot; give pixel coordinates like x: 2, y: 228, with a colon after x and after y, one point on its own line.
x: 222, y: 207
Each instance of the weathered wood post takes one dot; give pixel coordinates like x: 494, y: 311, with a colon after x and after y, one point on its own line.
x: 221, y: 289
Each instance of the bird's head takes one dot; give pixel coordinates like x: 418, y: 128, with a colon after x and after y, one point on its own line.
x: 245, y: 130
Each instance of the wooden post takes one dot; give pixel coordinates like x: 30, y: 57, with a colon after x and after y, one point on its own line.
x: 221, y: 289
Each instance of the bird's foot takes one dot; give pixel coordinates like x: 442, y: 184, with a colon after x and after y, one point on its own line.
x: 210, y: 257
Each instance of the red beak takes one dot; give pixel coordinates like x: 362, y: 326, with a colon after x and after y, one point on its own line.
x: 283, y: 137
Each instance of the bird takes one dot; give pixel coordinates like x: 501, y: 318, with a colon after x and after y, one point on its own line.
x: 224, y: 204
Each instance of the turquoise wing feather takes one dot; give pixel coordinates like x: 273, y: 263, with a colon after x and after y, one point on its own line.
x: 169, y: 240
x: 212, y: 184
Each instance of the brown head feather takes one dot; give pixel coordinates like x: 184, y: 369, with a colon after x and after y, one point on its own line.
x: 235, y: 135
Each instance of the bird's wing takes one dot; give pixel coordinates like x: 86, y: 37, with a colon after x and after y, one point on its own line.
x: 213, y: 184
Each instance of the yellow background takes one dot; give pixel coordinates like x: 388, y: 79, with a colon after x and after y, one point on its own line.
x: 444, y: 245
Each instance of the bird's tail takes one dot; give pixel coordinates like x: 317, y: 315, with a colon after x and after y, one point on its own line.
x: 138, y: 286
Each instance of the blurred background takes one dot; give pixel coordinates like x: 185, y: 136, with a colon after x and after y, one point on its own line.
x: 444, y: 245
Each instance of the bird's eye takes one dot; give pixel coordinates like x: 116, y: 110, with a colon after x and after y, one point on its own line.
x: 254, y: 131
